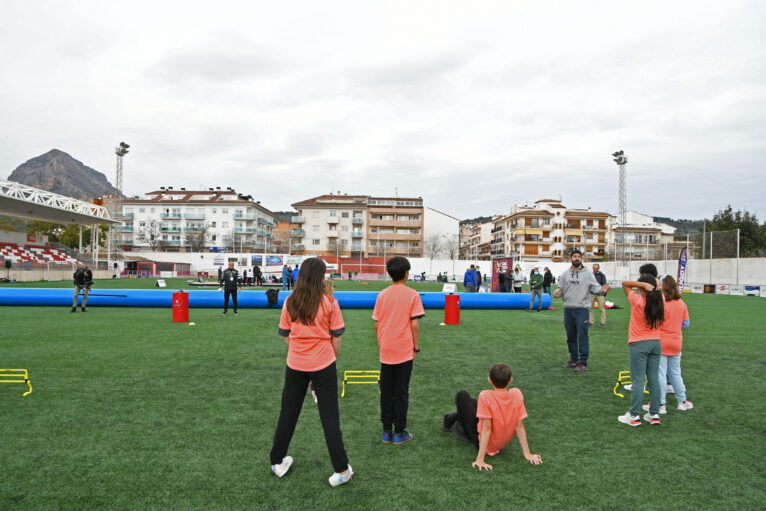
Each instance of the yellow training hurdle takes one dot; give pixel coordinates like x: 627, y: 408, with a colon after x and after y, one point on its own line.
x: 623, y: 378
x: 16, y: 376
x: 359, y: 378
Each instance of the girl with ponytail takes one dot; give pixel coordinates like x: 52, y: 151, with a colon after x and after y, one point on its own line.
x: 647, y: 313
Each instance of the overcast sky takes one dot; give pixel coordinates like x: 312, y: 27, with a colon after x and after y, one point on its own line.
x: 473, y: 105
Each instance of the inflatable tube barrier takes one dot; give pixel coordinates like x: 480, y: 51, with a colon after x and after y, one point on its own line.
x: 246, y: 299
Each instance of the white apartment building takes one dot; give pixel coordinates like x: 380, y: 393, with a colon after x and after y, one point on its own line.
x: 193, y: 220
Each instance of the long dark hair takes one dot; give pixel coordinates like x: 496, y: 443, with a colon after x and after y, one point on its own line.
x: 303, y: 303
x: 654, y: 309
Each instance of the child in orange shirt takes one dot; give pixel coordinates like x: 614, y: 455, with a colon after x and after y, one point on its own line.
x: 647, y: 313
x: 397, y: 312
x: 499, y: 414
x: 312, y: 325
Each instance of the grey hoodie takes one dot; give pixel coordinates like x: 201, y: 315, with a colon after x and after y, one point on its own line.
x: 577, y: 286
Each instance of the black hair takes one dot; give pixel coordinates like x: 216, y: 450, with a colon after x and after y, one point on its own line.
x: 575, y: 251
x: 397, y: 267
x: 654, y: 309
x: 648, y: 269
x: 500, y: 375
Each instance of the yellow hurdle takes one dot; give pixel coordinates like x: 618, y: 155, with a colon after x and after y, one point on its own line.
x: 359, y: 378
x: 623, y: 378
x: 16, y: 376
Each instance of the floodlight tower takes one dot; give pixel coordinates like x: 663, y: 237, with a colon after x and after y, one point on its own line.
x: 121, y: 150
x: 621, y: 160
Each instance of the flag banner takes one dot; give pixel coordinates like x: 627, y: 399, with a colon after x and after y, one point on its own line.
x: 682, y: 270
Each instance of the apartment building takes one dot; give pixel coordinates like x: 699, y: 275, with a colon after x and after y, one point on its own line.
x: 193, y: 220
x: 476, y: 240
x: 548, y: 229
x: 358, y: 225
x: 643, y: 238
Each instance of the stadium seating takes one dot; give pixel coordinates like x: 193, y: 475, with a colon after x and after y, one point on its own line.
x: 35, y: 255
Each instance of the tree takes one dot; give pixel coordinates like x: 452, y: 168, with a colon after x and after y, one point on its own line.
x: 151, y: 235
x: 197, y: 237
x: 451, y: 246
x: 433, y: 246
x: 11, y: 223
x: 752, y: 235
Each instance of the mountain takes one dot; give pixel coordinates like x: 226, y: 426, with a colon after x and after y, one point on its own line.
x: 57, y: 172
x: 682, y: 226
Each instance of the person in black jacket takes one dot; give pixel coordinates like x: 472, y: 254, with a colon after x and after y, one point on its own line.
x: 230, y: 282
x: 547, y: 281
x: 83, y: 280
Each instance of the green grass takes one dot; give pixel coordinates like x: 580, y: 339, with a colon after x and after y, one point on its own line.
x: 132, y: 411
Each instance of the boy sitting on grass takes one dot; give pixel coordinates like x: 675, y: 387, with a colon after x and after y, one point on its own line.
x: 499, y: 414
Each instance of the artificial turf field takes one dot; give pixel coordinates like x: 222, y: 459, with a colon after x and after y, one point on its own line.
x: 132, y: 411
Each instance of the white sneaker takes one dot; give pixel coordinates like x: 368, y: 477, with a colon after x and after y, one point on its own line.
x: 630, y: 420
x: 314, y: 395
x: 686, y: 405
x: 654, y: 420
x: 337, y: 479
x: 282, y: 468
x: 663, y: 410
x: 628, y: 387
x: 670, y: 389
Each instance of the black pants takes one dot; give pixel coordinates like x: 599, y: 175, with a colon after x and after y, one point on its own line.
x: 226, y: 294
x: 293, y: 394
x: 465, y: 417
x: 395, y: 395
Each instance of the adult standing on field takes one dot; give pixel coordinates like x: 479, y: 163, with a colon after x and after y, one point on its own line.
x: 535, y: 289
x: 311, y: 325
x: 597, y: 301
x: 230, y: 282
x: 470, y: 280
x: 547, y: 281
x: 575, y: 287
x: 518, y: 280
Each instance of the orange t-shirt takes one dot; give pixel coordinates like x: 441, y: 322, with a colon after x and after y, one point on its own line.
x: 395, y: 308
x: 671, y: 337
x: 638, y: 330
x: 310, y: 346
x: 506, y: 408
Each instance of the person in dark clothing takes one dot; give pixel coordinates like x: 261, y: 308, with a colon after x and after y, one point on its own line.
x: 547, y: 281
x: 83, y: 280
x: 230, y: 282
x: 258, y: 275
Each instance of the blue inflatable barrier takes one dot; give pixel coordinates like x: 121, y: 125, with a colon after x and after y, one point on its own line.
x: 247, y: 299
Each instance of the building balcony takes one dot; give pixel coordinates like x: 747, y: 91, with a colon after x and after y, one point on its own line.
x: 332, y: 234
x: 356, y: 248
x: 124, y: 228
x: 357, y: 220
x: 170, y: 215
x: 122, y: 215
x: 166, y: 228
x: 194, y: 216
x: 172, y: 243
x: 194, y: 228
x: 298, y: 247
x: 357, y: 234
x: 244, y: 230
x: 243, y: 217
x: 297, y: 220
x: 297, y: 233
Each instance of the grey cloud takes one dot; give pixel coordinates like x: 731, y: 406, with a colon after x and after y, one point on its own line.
x: 215, y: 65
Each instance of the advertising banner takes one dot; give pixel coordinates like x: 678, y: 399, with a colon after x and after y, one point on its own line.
x: 752, y: 290
x: 274, y: 261
x: 697, y: 288
x: 681, y: 270
x: 499, y: 265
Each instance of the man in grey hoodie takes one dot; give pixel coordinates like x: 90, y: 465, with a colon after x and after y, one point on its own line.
x: 575, y: 287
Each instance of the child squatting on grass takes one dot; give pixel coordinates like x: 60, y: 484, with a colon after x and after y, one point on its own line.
x: 397, y: 312
x: 499, y: 414
x: 647, y: 313
x: 311, y: 324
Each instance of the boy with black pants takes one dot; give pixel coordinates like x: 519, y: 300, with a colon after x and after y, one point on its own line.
x: 398, y: 309
x: 491, y: 422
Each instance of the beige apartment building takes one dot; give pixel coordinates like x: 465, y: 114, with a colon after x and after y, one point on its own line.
x: 548, y: 229
x: 358, y: 226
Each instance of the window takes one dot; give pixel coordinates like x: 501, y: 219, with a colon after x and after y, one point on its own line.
x: 402, y: 231
x: 344, y: 228
x: 224, y: 211
x: 344, y: 214
x: 402, y: 244
x: 238, y: 212
x: 315, y: 228
x: 315, y: 241
x: 215, y: 210
x: 213, y: 224
x: 213, y: 238
x: 373, y: 243
x: 224, y: 225
x: 344, y: 242
x: 333, y: 212
x: 142, y: 210
x: 151, y: 210
x: 142, y: 224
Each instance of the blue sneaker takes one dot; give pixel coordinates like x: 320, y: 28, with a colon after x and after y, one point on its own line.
x: 402, y: 438
x: 388, y: 436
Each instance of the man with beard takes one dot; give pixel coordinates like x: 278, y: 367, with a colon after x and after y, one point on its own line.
x: 575, y: 287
